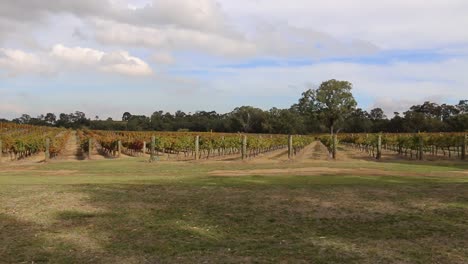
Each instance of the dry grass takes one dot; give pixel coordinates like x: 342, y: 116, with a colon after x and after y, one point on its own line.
x: 130, y: 211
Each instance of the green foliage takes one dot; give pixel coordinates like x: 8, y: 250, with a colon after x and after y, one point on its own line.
x: 335, y: 101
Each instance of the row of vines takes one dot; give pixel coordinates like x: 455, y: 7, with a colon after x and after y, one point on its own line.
x: 22, y: 141
x: 183, y: 145
x: 413, y: 146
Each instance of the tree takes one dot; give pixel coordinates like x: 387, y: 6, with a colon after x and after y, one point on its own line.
x: 335, y: 101
x: 308, y: 110
x: 358, y: 121
x: 463, y: 106
x: 126, y: 116
x: 50, y: 118
x: 307, y: 103
x: 377, y: 114
x: 24, y: 119
x: 248, y: 119
x: 284, y: 121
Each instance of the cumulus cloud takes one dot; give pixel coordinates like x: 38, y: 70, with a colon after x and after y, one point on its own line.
x: 200, y: 15
x: 61, y: 57
x: 24, y: 10
x: 171, y: 38
x: 120, y: 62
x: 185, y: 25
x: 396, y: 24
x: 18, y: 61
x: 77, y: 55
x: 114, y: 36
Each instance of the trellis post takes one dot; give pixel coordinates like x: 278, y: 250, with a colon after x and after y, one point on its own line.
x: 47, y: 149
x: 379, y: 147
x: 421, y: 147
x: 464, y: 142
x: 290, y: 146
x: 90, y: 147
x: 244, y: 147
x: 152, y: 148
x: 197, y: 147
x: 334, y: 145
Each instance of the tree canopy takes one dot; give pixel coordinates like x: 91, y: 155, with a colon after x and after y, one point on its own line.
x: 330, y: 107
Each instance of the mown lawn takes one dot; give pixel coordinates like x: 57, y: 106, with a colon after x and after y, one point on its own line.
x: 130, y: 211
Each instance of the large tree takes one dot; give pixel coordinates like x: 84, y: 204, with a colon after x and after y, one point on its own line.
x: 335, y: 101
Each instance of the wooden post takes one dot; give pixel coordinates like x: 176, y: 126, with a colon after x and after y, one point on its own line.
x: 144, y: 148
x: 90, y: 147
x: 197, y: 147
x: 379, y: 148
x: 152, y: 148
x: 47, y: 149
x: 244, y: 147
x: 334, y: 146
x: 464, y: 143
x: 1, y: 151
x: 421, y: 147
x: 290, y: 146
x: 119, y: 148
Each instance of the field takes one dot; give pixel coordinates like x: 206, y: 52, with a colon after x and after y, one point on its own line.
x: 309, y: 210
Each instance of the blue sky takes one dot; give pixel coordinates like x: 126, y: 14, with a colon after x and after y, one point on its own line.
x: 108, y: 57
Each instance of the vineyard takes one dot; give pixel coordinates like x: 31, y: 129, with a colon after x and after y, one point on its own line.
x: 22, y: 141
x: 186, y: 145
x: 413, y: 146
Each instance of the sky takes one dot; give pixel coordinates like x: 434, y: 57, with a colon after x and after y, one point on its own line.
x: 107, y: 57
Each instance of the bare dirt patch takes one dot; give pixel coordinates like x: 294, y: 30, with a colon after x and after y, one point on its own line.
x: 311, y: 171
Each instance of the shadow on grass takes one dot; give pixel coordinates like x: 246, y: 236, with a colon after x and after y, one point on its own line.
x: 26, y: 242
x: 331, y: 224
x: 447, y: 164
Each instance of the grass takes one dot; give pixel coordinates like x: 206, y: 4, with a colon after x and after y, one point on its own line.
x: 130, y: 211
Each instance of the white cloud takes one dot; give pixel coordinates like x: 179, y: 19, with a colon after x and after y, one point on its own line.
x: 18, y: 61
x: 120, y: 62
x: 77, y: 55
x: 62, y: 58
x: 184, y: 25
x: 110, y: 36
x: 390, y: 24
x: 170, y: 38
x: 199, y: 15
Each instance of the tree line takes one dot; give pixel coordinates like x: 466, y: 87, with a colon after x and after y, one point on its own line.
x: 329, y: 108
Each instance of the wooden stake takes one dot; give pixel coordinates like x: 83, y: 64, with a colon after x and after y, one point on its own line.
x: 244, y: 147
x: 47, y: 150
x: 197, y: 147
x: 152, y: 148
x: 90, y: 147
x: 290, y: 146
x: 119, y: 148
x: 464, y: 143
x: 334, y: 146
x: 421, y: 147
x: 379, y: 148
